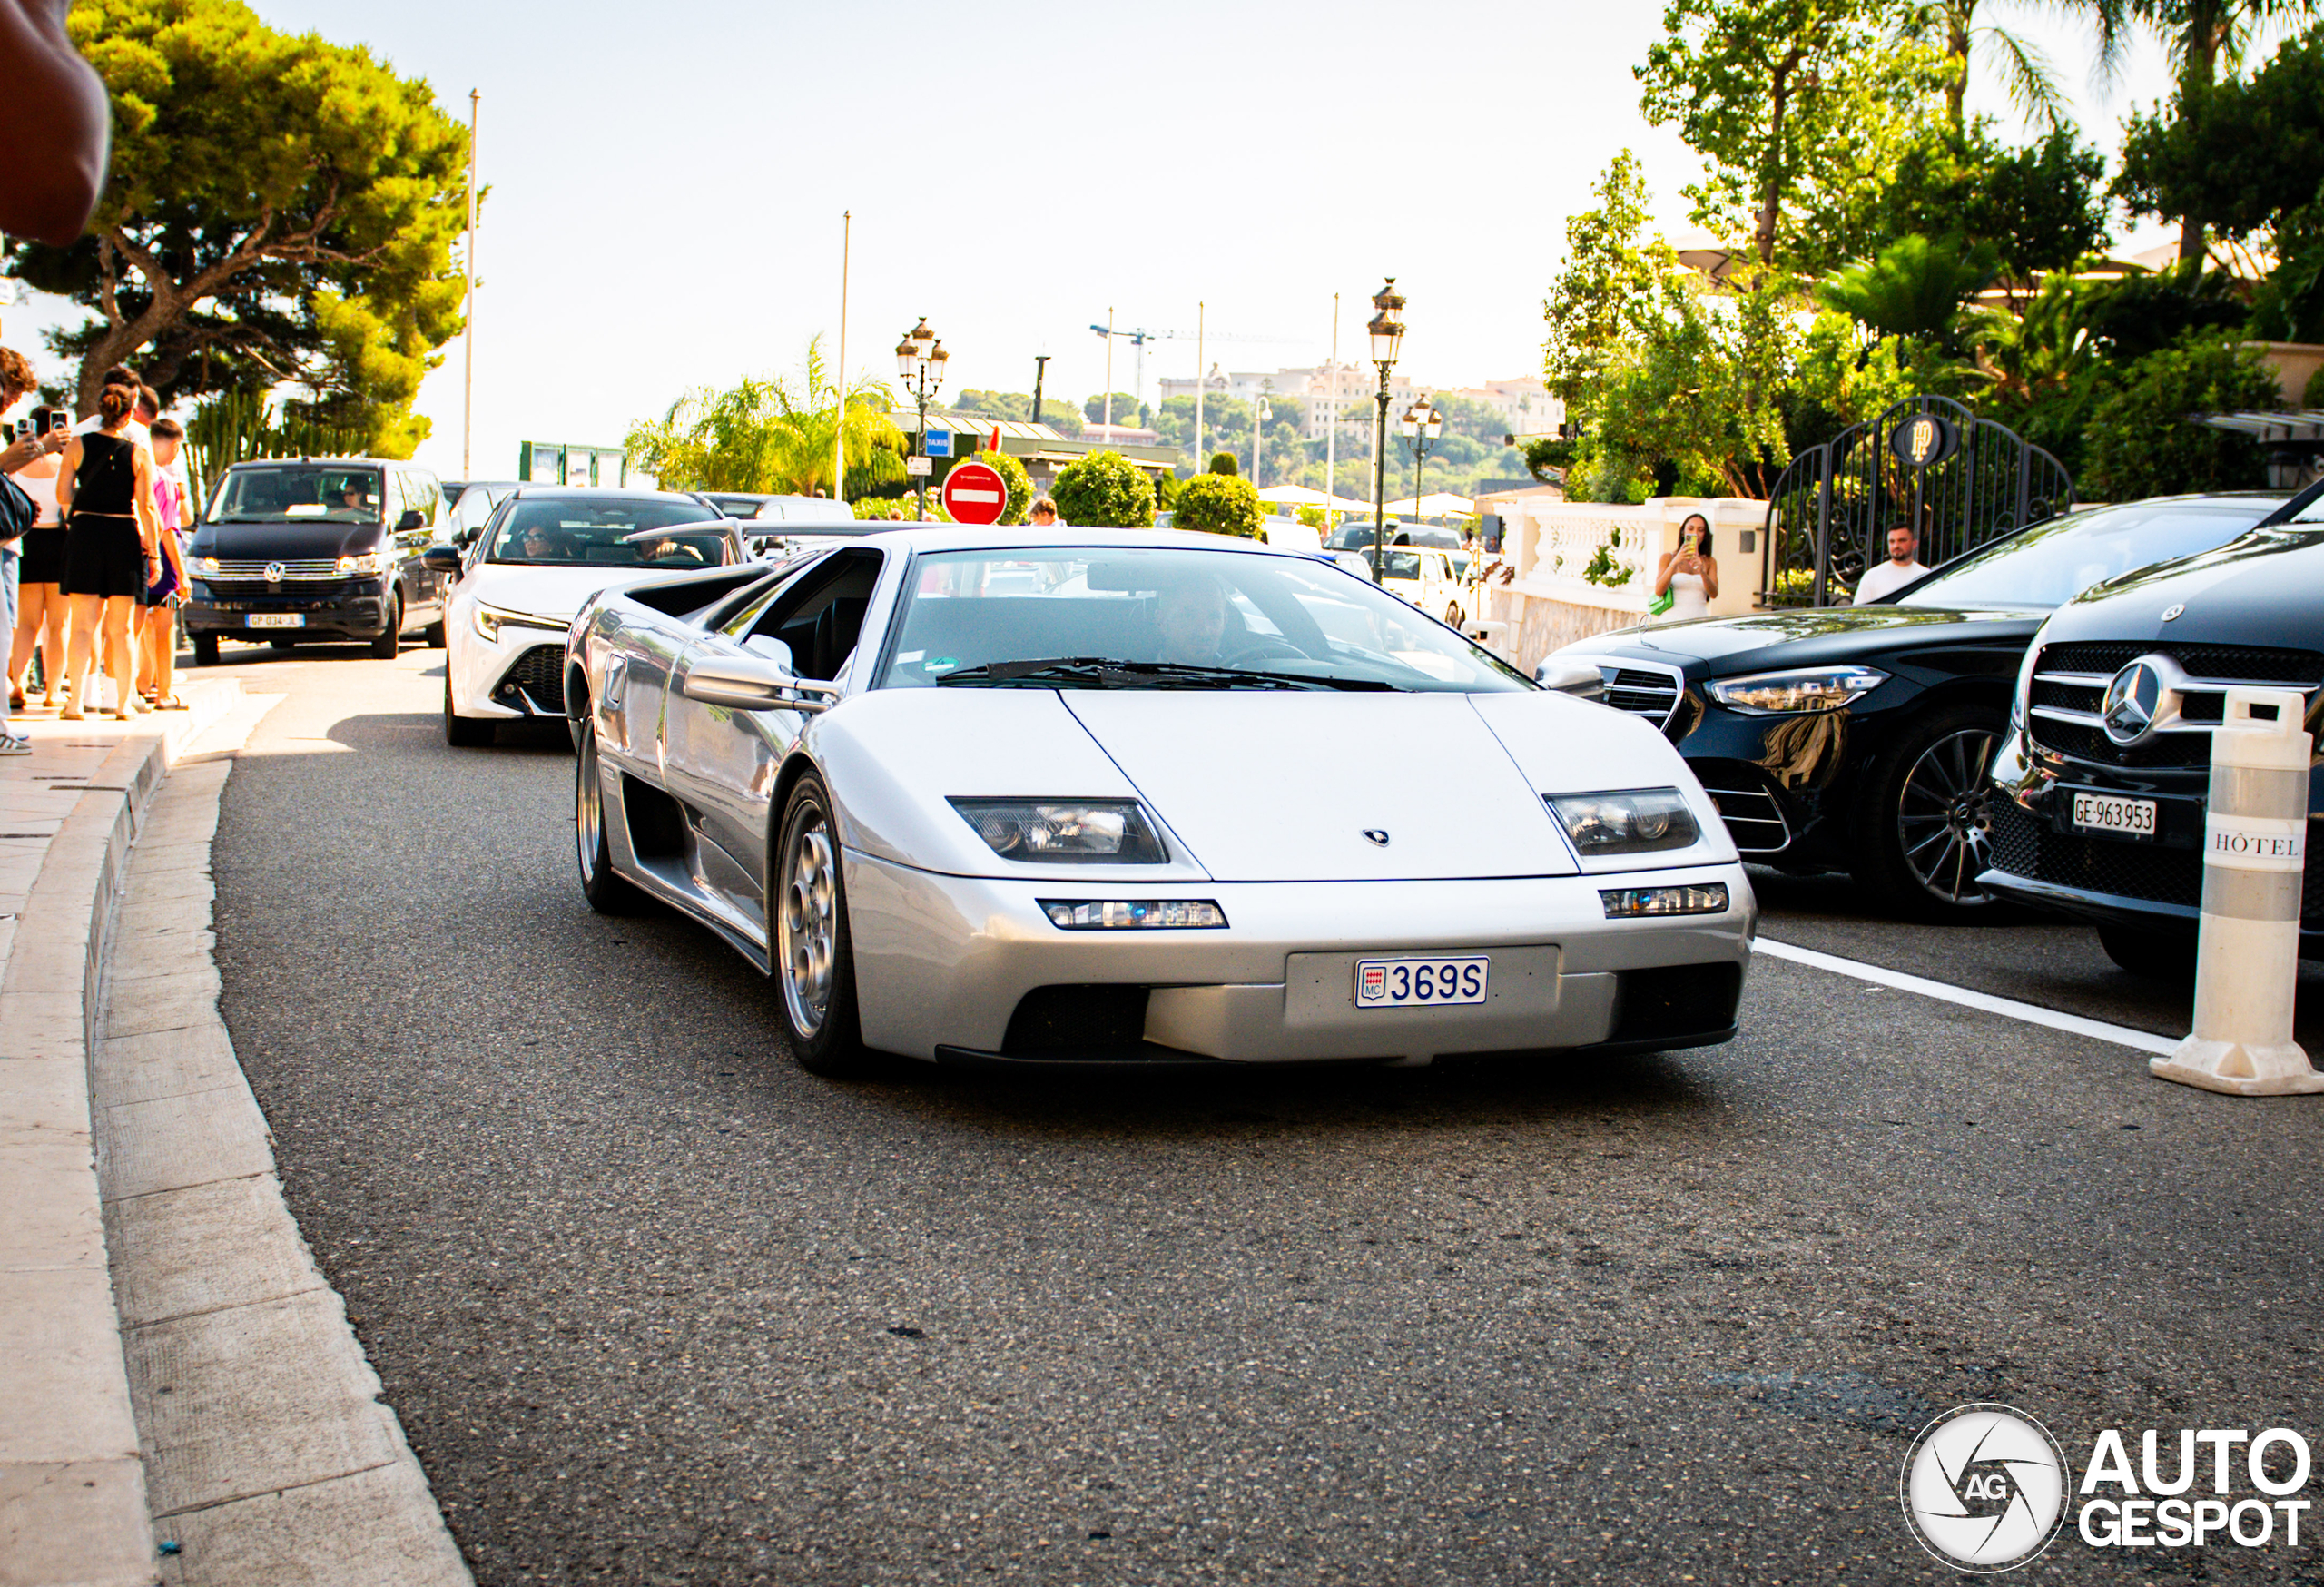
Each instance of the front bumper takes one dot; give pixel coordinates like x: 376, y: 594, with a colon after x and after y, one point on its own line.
x: 520, y: 674
x: 969, y: 968
x: 354, y: 608
x: 2041, y: 860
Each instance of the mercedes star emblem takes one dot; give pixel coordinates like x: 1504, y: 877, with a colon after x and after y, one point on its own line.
x: 2132, y: 697
x: 2173, y: 610
x: 1379, y: 839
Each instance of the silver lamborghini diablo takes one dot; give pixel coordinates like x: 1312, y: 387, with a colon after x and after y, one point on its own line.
x: 1113, y: 797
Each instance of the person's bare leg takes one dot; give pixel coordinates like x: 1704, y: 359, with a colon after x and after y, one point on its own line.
x: 87, y: 609
x: 160, y: 666
x: 121, y: 655
x: 51, y: 642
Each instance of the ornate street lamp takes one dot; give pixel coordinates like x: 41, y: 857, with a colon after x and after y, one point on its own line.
x: 1387, y: 332
x: 920, y: 362
x: 1422, y: 424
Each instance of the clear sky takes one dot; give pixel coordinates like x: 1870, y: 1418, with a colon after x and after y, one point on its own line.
x: 667, y: 183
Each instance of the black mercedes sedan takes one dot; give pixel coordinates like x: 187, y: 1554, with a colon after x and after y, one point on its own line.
x: 1861, y: 738
x: 2100, y: 784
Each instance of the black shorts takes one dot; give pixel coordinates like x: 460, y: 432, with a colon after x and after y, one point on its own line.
x: 43, y: 553
x: 104, y: 557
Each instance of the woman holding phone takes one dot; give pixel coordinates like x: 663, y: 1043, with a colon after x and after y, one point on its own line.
x: 1690, y: 574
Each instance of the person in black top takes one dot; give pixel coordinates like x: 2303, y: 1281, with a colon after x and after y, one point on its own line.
x: 112, y: 547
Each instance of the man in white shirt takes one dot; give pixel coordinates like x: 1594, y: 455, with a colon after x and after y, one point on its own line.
x: 1903, y: 566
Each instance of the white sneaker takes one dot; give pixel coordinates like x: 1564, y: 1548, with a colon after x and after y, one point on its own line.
x: 10, y: 744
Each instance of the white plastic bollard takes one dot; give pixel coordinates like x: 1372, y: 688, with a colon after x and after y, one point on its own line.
x: 2255, y: 852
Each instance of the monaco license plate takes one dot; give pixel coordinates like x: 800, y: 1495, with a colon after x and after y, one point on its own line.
x: 2116, y: 818
x: 277, y: 619
x: 1407, y: 983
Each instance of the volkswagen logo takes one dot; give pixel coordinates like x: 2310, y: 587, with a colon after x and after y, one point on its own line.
x: 1378, y: 839
x: 2135, y: 698
x: 274, y: 572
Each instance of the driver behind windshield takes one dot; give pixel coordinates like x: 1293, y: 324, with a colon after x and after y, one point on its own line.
x: 1191, y: 621
x: 540, y: 545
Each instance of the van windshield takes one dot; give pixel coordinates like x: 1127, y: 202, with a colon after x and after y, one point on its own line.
x: 293, y: 492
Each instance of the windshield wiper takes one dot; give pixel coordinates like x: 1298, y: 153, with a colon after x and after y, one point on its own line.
x: 1103, y: 672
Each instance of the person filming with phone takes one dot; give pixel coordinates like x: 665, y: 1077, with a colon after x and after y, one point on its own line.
x: 1690, y: 574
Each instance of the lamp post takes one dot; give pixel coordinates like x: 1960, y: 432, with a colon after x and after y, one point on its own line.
x: 1422, y: 424
x: 1260, y: 414
x: 920, y: 360
x: 1387, y: 334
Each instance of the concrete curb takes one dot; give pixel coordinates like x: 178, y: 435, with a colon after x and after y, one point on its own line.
x: 270, y: 1459
x: 72, y: 1502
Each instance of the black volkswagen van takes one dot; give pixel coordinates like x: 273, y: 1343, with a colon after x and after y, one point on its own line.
x: 316, y: 548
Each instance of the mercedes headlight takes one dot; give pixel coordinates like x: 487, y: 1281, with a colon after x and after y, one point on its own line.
x: 1097, y: 832
x: 1641, y: 821
x: 1819, y: 688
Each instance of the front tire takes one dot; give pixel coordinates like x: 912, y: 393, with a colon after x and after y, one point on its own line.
x: 813, y: 954
x: 607, y: 892
x: 390, y: 645
x: 463, y: 732
x: 1928, y: 819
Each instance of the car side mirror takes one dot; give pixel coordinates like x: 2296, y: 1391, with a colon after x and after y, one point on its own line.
x: 1578, y: 678
x: 441, y: 558
x: 754, y: 682
x: 413, y: 518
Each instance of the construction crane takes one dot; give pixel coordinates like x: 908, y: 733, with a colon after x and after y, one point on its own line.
x: 1140, y: 337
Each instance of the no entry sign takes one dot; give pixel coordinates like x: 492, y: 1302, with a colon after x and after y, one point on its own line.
x: 975, y: 493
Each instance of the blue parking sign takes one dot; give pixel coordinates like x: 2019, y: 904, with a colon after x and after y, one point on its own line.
x: 940, y: 443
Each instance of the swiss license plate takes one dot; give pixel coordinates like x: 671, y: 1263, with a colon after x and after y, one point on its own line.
x: 2120, y: 818
x: 277, y: 619
x: 1405, y: 983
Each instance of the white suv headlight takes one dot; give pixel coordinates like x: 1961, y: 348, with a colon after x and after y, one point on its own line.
x: 1775, y: 693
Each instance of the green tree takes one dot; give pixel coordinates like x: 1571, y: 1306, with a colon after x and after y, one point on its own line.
x: 1128, y: 409
x: 1220, y: 504
x: 2249, y: 157
x: 278, y: 208
x: 2141, y: 441
x: 2038, y: 208
x: 1224, y: 463
x: 773, y: 435
x: 1020, y: 483
x: 1794, y: 103
x: 1619, y: 281
x: 2200, y: 37
x: 1104, y: 490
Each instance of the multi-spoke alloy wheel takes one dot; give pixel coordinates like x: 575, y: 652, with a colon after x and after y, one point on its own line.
x: 1943, y: 817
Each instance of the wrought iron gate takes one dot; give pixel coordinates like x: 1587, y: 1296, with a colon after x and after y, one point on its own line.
x: 1829, y: 516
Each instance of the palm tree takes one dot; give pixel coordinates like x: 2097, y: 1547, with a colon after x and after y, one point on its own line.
x: 2033, y: 84
x: 1914, y: 290
x: 770, y: 435
x: 2201, y: 37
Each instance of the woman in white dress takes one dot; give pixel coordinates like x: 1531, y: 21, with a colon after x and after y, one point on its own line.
x: 1690, y: 574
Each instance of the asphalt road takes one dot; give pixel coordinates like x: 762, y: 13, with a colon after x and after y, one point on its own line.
x: 657, y: 1307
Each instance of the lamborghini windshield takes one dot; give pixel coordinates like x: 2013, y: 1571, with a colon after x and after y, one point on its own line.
x: 1085, y: 618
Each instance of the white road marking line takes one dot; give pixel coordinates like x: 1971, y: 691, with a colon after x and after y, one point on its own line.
x: 2120, y: 1035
